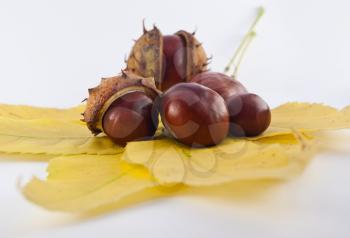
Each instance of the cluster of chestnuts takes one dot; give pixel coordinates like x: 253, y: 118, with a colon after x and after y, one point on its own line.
x: 167, y: 76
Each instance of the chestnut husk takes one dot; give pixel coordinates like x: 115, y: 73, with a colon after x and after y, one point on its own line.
x: 110, y: 89
x: 147, y: 57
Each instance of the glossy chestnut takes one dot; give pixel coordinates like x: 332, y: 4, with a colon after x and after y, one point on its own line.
x: 249, y: 115
x: 220, y: 83
x: 129, y: 118
x: 174, y: 61
x: 123, y: 108
x: 194, y: 114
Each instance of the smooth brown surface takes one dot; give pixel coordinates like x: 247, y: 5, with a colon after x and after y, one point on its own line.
x: 220, y: 83
x: 131, y: 117
x: 195, y: 115
x: 249, y: 115
x: 174, y: 61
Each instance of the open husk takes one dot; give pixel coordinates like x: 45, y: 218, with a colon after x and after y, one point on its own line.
x: 146, y: 57
x: 109, y: 90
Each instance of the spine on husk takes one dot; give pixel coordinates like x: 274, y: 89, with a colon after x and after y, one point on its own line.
x: 146, y: 57
x: 109, y: 90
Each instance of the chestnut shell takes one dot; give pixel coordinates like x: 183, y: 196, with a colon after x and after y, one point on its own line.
x: 147, y: 56
x: 195, y: 115
x: 249, y: 115
x: 221, y: 83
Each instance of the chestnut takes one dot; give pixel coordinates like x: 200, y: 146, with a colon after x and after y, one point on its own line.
x: 194, y: 114
x: 130, y: 117
x: 249, y: 115
x: 220, y: 83
x: 123, y: 108
x: 170, y: 59
x: 174, y: 61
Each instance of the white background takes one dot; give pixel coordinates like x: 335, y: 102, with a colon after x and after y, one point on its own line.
x: 52, y: 51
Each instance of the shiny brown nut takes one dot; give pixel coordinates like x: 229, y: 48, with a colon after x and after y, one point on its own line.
x: 130, y: 117
x: 220, y: 83
x: 174, y: 61
x: 122, y: 108
x: 194, y: 115
x: 249, y: 115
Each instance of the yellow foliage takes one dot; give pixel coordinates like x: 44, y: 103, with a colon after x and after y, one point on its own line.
x: 30, y: 112
x: 171, y: 163
x: 82, y: 182
x: 53, y: 137
x: 32, y: 130
x: 85, y: 182
x: 305, y: 117
x: 309, y: 117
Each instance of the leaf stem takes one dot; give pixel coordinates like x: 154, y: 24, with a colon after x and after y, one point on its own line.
x: 247, y: 39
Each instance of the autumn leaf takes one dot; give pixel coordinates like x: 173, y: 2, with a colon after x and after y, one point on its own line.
x: 30, y: 112
x: 306, y: 117
x: 26, y: 130
x: 309, y: 117
x: 346, y: 111
x: 234, y: 159
x: 85, y: 182
x: 82, y: 183
x: 52, y: 137
x: 33, y: 130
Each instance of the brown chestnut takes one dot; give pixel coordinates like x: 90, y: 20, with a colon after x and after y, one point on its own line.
x: 174, y: 61
x: 249, y: 115
x: 123, y: 108
x: 194, y: 114
x: 220, y: 83
x: 130, y: 117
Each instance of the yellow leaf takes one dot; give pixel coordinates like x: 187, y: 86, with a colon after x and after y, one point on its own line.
x: 29, y: 112
x: 51, y: 131
x: 346, y: 111
x: 82, y: 183
x: 54, y: 137
x: 309, y: 117
x: 305, y: 117
x: 172, y: 163
x: 7, y: 157
x: 94, y: 184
